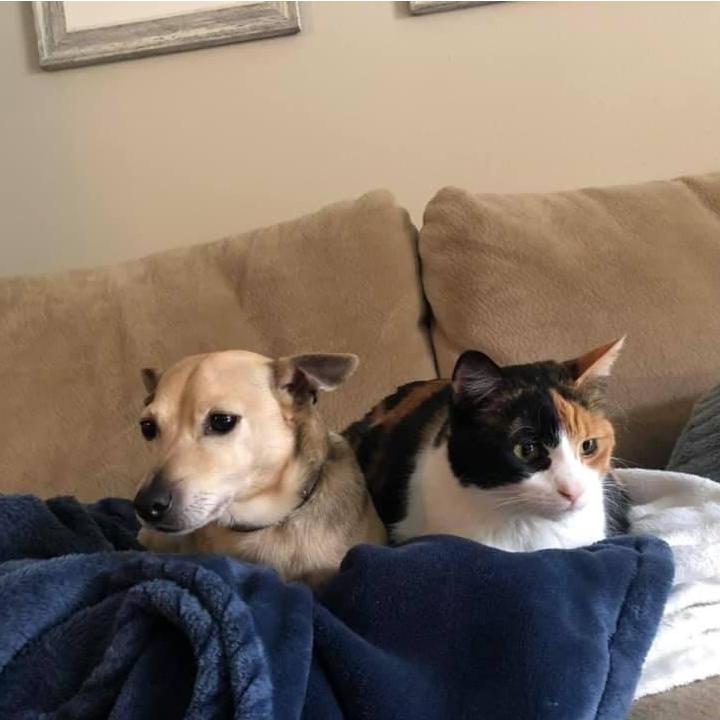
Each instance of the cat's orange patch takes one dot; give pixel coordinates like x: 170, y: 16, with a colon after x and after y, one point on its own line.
x: 416, y: 397
x: 581, y: 424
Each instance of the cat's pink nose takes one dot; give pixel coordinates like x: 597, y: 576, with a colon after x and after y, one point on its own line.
x: 570, y: 492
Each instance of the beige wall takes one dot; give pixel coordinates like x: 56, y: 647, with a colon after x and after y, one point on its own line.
x: 113, y: 161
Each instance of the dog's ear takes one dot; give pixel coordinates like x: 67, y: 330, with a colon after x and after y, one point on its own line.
x: 303, y: 375
x: 326, y: 371
x: 151, y: 378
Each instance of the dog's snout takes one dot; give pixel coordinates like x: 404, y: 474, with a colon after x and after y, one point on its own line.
x: 153, y: 502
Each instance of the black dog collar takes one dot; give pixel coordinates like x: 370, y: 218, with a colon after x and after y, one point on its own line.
x: 305, y: 494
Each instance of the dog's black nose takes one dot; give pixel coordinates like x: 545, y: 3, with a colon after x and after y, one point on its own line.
x: 153, y: 502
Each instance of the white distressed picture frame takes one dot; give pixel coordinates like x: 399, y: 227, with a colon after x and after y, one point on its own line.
x: 60, y: 48
x: 424, y: 7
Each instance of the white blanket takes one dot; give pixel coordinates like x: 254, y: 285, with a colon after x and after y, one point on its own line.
x: 684, y: 510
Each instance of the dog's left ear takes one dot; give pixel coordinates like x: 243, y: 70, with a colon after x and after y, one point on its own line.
x: 303, y: 375
x: 151, y: 378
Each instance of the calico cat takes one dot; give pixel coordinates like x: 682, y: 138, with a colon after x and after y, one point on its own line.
x: 516, y: 457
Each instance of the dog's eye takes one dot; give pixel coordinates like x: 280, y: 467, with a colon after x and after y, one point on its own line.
x: 589, y: 446
x: 526, y: 450
x: 149, y: 429
x: 221, y: 423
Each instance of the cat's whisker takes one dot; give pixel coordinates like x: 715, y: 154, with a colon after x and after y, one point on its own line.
x: 525, y: 428
x: 509, y: 491
x: 516, y: 502
x: 511, y: 500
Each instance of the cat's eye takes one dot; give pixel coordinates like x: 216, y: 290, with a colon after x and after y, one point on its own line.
x: 526, y: 450
x: 149, y: 429
x: 589, y: 446
x: 221, y: 423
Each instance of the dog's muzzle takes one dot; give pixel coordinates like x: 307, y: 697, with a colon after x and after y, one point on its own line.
x: 154, y: 502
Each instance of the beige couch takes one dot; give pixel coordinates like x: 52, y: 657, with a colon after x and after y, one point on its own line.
x: 520, y: 277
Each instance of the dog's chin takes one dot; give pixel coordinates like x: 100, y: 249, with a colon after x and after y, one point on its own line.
x: 177, y: 530
x: 169, y: 529
x: 217, y: 513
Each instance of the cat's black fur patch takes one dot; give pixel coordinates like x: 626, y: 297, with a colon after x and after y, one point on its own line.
x: 520, y: 410
x: 387, y: 456
x: 488, y: 435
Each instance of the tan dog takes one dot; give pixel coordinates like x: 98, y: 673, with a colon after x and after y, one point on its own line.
x: 244, y: 464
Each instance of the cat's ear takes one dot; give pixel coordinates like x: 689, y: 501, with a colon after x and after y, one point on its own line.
x: 475, y: 376
x: 595, y: 364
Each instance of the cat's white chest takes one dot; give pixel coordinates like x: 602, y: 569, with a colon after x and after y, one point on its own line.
x: 438, y: 503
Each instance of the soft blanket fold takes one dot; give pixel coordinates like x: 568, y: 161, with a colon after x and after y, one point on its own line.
x: 684, y: 510
x: 437, y: 628
x: 512, y: 635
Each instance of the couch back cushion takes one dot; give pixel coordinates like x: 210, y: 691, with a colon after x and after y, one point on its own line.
x: 343, y: 279
x: 537, y: 276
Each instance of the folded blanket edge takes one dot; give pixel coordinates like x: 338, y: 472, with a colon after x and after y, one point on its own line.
x: 655, y: 568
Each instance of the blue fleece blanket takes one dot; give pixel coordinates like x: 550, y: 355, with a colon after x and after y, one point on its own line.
x: 439, y: 628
